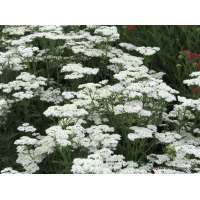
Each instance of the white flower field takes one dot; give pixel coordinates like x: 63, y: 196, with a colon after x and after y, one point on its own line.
x: 78, y: 99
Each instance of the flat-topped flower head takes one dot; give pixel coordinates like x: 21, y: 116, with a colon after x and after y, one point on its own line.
x: 168, y: 137
x: 108, y: 31
x: 78, y: 71
x: 140, y: 133
x: 26, y: 127
x: 67, y: 110
x: 194, y: 80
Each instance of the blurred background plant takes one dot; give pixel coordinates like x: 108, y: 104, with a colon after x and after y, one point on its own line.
x: 179, y: 50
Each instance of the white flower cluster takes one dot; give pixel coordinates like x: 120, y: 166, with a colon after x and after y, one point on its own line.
x: 146, y: 51
x: 101, y: 162
x: 25, y: 86
x: 27, y: 52
x: 140, y: 133
x: 11, y: 60
x: 151, y: 132
x: 51, y: 95
x: 78, y: 71
x: 194, y: 81
x: 26, y: 127
x: 16, y: 30
x: 67, y: 110
x: 110, y: 32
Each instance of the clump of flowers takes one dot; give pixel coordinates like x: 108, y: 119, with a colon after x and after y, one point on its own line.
x: 107, y: 112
